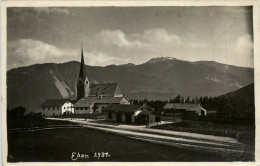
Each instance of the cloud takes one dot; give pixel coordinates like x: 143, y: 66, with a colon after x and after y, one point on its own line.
x: 160, y: 36
x: 52, y: 9
x: 26, y: 52
x: 244, y: 50
x: 95, y: 58
x: 37, y: 50
x: 152, y: 39
x: 119, y: 39
x: 244, y: 45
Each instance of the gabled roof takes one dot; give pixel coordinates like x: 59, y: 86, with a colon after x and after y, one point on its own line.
x: 122, y: 108
x: 128, y: 108
x: 54, y: 102
x: 146, y: 112
x: 185, y: 106
x: 88, y: 101
x: 109, y: 89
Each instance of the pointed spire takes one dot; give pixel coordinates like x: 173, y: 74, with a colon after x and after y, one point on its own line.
x: 82, y: 71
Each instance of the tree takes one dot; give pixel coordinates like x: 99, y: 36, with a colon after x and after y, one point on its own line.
x: 187, y: 100
x: 17, y: 112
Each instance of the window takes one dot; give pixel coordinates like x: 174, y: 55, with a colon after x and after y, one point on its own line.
x: 58, y: 108
x: 110, y: 115
x: 81, y: 108
x: 43, y: 108
x: 48, y: 108
x: 64, y: 107
x: 86, y: 108
x: 53, y: 108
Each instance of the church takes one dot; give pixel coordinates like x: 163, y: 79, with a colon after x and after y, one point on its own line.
x: 105, y: 98
x: 95, y: 97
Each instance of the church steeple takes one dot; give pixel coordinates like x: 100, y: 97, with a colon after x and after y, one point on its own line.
x: 82, y: 71
x: 83, y: 83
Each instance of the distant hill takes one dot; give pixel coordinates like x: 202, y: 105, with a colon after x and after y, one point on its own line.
x: 164, y: 78
x: 246, y: 93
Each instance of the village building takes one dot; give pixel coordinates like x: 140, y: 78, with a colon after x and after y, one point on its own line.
x: 130, y: 114
x: 97, y: 104
x: 53, y: 107
x: 95, y: 97
x: 183, y: 109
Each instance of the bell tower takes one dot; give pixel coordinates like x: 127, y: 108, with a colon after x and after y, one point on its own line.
x: 83, y: 82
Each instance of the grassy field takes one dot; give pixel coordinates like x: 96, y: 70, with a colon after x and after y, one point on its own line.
x: 243, y: 133
x: 59, y: 144
x: 28, y: 122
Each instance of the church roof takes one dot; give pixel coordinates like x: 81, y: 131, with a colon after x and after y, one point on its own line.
x: 88, y: 101
x: 54, y: 102
x: 108, y: 89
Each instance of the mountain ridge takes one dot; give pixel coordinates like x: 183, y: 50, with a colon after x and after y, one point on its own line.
x: 149, y: 61
x: 31, y: 85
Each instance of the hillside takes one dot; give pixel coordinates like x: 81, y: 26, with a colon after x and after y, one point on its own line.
x: 246, y: 93
x: 164, y: 77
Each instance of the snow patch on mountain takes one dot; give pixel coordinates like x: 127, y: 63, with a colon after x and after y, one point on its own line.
x: 64, y: 90
x: 213, y: 79
x: 161, y: 59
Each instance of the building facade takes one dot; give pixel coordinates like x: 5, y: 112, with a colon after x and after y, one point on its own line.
x: 54, y: 107
x: 183, y: 109
x: 130, y: 114
x: 94, y: 98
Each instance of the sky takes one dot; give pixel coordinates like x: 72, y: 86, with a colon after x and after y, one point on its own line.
x: 120, y: 35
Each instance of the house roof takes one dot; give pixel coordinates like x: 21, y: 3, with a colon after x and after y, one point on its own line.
x: 54, y: 102
x: 108, y: 89
x: 185, y: 106
x: 128, y: 108
x: 122, y: 108
x: 88, y: 101
x: 145, y: 112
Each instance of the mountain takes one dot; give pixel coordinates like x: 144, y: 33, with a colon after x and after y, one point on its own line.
x: 163, y: 78
x: 246, y: 93
x: 239, y: 71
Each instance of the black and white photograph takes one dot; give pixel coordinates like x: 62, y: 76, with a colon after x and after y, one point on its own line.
x: 122, y: 83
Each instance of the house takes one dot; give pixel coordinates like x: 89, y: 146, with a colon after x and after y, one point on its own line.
x: 52, y: 107
x: 138, y: 114
x: 183, y: 109
x: 98, y: 104
x: 212, y: 112
x: 95, y: 97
